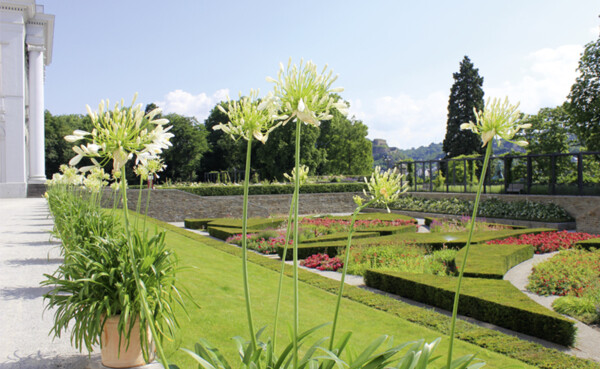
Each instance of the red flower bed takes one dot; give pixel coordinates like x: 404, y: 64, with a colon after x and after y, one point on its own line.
x: 546, y: 241
x: 322, y: 262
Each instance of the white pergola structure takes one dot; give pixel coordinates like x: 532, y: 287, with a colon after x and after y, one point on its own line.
x: 26, y: 36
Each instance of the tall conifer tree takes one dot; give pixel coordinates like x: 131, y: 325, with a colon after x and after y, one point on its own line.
x: 466, y: 93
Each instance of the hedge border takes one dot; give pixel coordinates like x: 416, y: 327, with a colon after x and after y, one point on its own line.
x: 434, y: 290
x: 529, y: 352
x: 279, y: 189
x: 491, y: 261
x: 588, y: 244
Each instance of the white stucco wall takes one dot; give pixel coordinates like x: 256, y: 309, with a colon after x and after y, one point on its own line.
x: 25, y: 32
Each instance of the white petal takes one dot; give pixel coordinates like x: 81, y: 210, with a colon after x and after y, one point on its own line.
x: 301, y: 106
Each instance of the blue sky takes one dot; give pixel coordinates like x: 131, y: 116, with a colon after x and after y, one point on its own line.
x: 395, y: 59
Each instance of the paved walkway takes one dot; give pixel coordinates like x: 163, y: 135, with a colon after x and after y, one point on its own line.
x: 26, y: 253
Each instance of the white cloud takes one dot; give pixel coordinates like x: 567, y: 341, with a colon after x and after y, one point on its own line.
x: 594, y: 31
x: 199, y: 106
x: 404, y: 121
x: 549, y: 74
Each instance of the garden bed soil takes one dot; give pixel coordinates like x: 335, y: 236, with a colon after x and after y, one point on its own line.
x: 526, y: 223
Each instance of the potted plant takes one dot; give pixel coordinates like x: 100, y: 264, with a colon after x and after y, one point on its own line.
x: 116, y: 287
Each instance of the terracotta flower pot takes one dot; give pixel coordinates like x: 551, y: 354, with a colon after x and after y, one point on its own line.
x: 114, y: 356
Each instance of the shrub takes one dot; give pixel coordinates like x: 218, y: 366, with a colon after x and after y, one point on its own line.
x: 275, y: 189
x: 492, y: 208
x: 584, y: 308
x: 546, y: 241
x: 489, y: 300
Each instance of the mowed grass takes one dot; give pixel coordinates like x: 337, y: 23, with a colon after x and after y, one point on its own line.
x: 214, y: 281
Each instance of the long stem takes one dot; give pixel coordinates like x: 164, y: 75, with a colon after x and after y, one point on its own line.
x: 145, y: 310
x: 245, y: 243
x: 296, y: 189
x: 344, y: 271
x: 488, y: 153
x: 280, y: 287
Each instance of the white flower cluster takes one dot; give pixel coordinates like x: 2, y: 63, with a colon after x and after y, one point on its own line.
x: 120, y: 134
x: 497, y: 118
x: 384, y: 187
x: 303, y: 93
x: 303, y: 175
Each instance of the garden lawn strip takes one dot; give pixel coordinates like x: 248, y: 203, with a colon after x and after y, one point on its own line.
x: 528, y: 352
x: 492, y: 261
x: 339, y: 236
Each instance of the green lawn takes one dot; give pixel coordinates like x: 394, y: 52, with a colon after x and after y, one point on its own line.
x: 215, y: 284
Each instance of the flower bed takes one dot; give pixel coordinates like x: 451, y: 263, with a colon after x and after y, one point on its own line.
x: 322, y: 262
x: 546, y: 241
x: 570, y: 272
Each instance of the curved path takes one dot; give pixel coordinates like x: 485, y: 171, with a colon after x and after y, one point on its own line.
x: 588, y: 339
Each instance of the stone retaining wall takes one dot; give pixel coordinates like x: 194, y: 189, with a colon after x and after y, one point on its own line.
x: 176, y: 205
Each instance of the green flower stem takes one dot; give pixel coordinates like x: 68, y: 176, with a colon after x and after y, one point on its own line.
x: 281, y: 273
x: 245, y: 243
x: 488, y: 153
x: 141, y: 288
x: 344, y: 271
x: 296, y: 190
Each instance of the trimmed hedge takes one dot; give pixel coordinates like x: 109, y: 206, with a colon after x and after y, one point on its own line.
x: 511, y: 346
x: 489, y: 300
x: 273, y: 189
x: 223, y: 233
x: 340, y: 236
x: 254, y: 223
x: 589, y: 244
x: 197, y: 223
x: 492, y: 261
x: 429, y: 220
x: 389, y: 230
x: 371, y: 216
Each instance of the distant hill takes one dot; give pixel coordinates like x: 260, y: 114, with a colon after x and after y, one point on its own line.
x: 383, y: 155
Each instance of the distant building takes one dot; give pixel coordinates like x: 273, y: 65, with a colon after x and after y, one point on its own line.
x: 26, y: 35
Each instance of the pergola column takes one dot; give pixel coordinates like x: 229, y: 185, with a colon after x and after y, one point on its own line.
x: 37, y: 167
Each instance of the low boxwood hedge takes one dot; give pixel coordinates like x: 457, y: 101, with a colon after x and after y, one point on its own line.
x: 489, y: 300
x: 340, y: 236
x: 429, y: 220
x: 509, y: 345
x: 589, y: 244
x: 276, y: 189
x: 389, y: 230
x: 492, y: 261
x: 371, y: 216
x: 254, y: 223
x: 197, y: 223
x: 223, y: 233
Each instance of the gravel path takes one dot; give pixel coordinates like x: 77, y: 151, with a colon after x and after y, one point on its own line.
x: 26, y: 253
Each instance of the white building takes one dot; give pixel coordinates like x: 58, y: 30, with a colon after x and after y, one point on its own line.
x: 26, y: 36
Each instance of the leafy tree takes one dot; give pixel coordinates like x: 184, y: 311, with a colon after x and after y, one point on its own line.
x: 183, y: 159
x: 59, y: 151
x: 276, y: 156
x: 549, y: 131
x: 347, y: 149
x: 584, y: 99
x: 224, y: 153
x: 466, y: 93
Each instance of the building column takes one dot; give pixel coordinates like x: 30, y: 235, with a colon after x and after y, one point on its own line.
x: 37, y: 165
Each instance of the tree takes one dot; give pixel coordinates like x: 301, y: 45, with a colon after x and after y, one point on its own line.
x: 347, y: 148
x: 466, y: 93
x: 183, y: 159
x: 584, y: 99
x: 276, y: 156
x: 549, y: 131
x: 58, y: 150
x: 224, y: 153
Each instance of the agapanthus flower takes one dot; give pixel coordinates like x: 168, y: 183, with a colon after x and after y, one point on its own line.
x: 302, y: 93
x: 248, y: 118
x: 154, y: 166
x: 384, y: 187
x: 68, y: 176
x: 96, y: 179
x: 120, y: 134
x: 497, y: 119
x: 303, y: 175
